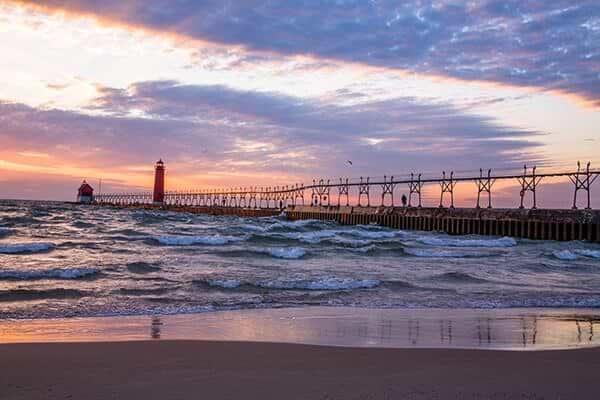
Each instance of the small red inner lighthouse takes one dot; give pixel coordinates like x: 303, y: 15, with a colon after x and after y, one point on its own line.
x: 159, y: 182
x: 85, y: 193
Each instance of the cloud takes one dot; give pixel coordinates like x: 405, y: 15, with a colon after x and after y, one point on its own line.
x: 230, y: 137
x: 57, y: 86
x: 548, y: 45
x: 220, y: 124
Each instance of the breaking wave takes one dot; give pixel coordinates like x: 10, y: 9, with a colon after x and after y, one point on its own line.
x: 571, y: 255
x: 308, y: 284
x: 420, y: 252
x: 288, y: 253
x: 448, y: 242
x: 209, y: 240
x: 306, y: 237
x: 336, y: 236
x: 71, y: 273
x: 589, y: 253
x: 26, y: 248
x: 566, y: 255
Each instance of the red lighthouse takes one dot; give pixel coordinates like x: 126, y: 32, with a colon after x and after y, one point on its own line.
x: 159, y: 182
x: 85, y: 193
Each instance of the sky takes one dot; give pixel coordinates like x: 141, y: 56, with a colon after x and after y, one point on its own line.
x: 259, y: 92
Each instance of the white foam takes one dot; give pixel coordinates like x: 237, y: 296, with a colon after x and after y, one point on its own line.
x: 210, y: 240
x: 225, y: 283
x: 589, y: 253
x: 321, y: 284
x: 26, y: 248
x: 71, y: 273
x: 419, y: 252
x: 566, y: 255
x: 289, y: 253
x: 448, y: 242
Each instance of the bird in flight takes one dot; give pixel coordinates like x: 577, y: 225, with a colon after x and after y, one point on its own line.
x: 349, y: 162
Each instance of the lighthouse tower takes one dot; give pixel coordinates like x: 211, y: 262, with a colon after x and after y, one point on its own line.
x: 159, y: 183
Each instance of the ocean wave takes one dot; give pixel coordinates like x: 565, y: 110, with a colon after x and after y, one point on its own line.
x: 373, y: 234
x: 354, y: 243
x: 307, y: 237
x: 254, y: 228
x: 448, y: 242
x: 26, y: 248
x: 294, y: 224
x: 5, y: 231
x: 321, y: 284
x: 420, y: 252
x: 365, y: 249
x: 142, y: 291
x: 83, y: 224
x: 589, y: 253
x: 126, y: 232
x: 32, y: 294
x: 70, y: 273
x: 460, y: 277
x: 328, y: 283
x: 288, y: 253
x: 566, y: 255
x: 209, y: 240
x: 224, y: 283
x: 142, y: 267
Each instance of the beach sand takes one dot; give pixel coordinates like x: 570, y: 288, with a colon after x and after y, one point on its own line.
x: 234, y: 370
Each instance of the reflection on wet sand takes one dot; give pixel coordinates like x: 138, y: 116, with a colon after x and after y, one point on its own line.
x: 487, y: 329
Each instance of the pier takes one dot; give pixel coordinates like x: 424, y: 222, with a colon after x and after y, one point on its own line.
x: 374, y: 201
x: 521, y: 223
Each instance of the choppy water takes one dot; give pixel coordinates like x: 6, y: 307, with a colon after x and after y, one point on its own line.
x: 59, y: 260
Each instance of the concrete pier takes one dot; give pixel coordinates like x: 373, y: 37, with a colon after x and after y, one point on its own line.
x: 523, y: 223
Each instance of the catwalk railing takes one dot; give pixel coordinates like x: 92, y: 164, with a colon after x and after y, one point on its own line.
x: 321, y: 191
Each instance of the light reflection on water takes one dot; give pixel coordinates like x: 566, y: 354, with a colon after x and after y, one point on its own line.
x: 522, y: 329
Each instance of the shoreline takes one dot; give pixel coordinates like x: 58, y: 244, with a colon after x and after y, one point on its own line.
x: 232, y: 370
x: 483, y: 329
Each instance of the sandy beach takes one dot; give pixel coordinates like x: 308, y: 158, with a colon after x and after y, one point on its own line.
x: 233, y: 370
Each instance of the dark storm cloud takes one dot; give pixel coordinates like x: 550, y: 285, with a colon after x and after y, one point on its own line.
x: 553, y: 45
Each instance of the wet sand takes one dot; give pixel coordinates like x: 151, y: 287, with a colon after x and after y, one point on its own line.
x: 234, y: 370
x: 498, y: 329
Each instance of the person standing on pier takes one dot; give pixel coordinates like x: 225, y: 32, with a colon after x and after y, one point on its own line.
x: 403, y: 200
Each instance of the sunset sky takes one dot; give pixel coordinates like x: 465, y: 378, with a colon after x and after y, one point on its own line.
x: 266, y: 92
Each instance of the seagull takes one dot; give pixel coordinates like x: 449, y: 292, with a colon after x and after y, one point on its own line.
x: 349, y: 162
